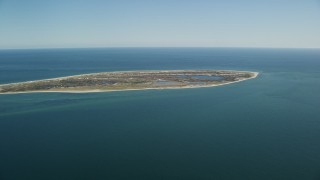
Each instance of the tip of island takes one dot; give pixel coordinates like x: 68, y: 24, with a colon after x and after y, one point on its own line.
x: 130, y: 80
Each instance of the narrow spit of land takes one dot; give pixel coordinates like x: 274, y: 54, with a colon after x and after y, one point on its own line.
x: 130, y: 80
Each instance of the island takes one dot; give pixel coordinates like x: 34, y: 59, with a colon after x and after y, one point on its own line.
x: 130, y: 80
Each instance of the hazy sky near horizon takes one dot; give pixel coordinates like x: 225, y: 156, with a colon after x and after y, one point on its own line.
x: 159, y: 23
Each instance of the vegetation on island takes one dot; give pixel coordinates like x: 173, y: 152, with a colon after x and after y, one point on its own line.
x: 126, y: 80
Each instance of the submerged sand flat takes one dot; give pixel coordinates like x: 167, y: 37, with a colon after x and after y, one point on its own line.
x: 130, y: 80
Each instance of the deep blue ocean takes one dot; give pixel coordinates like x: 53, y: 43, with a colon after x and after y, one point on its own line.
x: 267, y: 128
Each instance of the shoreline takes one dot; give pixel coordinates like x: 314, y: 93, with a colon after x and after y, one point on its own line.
x: 100, y: 91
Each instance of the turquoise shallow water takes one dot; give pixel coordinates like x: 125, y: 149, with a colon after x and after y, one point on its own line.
x: 264, y: 128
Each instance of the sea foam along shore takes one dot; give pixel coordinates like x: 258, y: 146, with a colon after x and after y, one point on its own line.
x: 98, y: 90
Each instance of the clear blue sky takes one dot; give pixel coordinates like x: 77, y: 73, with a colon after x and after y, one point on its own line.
x: 154, y: 23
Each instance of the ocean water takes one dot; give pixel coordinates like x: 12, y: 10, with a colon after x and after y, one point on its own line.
x: 267, y: 128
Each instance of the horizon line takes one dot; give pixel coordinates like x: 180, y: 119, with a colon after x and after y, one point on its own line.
x: 133, y: 47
